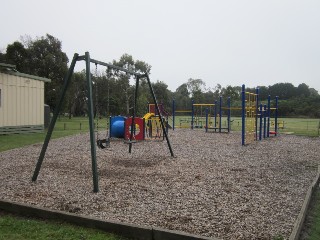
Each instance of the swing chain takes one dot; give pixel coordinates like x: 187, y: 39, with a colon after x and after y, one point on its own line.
x: 97, y: 105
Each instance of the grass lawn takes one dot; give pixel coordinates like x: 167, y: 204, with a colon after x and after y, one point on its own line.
x: 296, y: 126
x: 64, y: 127
x: 20, y: 228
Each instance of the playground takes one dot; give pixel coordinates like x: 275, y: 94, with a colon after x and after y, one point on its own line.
x: 214, y: 187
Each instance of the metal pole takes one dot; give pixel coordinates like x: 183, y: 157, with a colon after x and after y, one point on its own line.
x: 133, y: 126
x: 220, y: 114
x: 243, y: 101
x: 276, y: 117
x: 207, y: 113
x: 160, y: 118
x: 173, y: 113
x: 215, y: 115
x: 91, y: 125
x: 256, y: 112
x: 268, y: 116
x: 192, y: 114
x: 260, y: 125
x: 264, y: 120
x: 229, y: 113
x: 55, y: 116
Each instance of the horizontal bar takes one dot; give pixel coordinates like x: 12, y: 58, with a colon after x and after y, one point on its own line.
x: 112, y: 66
x: 203, y: 104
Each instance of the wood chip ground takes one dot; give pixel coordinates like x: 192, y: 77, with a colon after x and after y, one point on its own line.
x: 214, y: 187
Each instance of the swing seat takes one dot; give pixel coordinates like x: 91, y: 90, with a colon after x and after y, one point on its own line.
x: 103, y: 143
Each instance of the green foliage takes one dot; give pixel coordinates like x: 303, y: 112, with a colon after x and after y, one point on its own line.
x: 195, y: 87
x: 18, y: 228
x: 114, y: 90
x: 42, y: 57
x: 278, y: 237
x: 17, y: 54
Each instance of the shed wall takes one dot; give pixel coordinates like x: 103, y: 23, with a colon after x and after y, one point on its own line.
x: 22, y: 101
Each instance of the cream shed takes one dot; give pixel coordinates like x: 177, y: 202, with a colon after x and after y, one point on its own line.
x: 21, y: 101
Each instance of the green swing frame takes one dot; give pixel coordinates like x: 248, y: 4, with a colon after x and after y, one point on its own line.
x: 67, y: 81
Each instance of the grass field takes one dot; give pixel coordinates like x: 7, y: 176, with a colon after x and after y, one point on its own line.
x: 296, y: 126
x: 64, y: 127
x: 20, y: 228
x: 13, y: 227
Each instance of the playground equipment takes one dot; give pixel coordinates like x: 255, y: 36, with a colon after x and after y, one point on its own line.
x: 218, y: 113
x: 67, y: 81
x: 265, y: 115
x: 146, y: 128
x: 184, y: 122
x: 153, y: 128
x: 254, y: 114
x: 204, y: 115
x: 198, y: 114
x: 138, y: 131
x: 249, y: 115
x: 117, y: 127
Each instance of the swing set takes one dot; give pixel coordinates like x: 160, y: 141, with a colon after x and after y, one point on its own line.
x: 66, y: 84
x: 105, y: 142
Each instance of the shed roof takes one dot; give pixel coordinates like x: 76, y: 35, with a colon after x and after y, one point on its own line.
x: 11, y: 70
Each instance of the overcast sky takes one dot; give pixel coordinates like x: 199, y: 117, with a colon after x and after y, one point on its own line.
x: 228, y: 42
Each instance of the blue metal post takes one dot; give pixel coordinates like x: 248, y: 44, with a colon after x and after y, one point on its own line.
x: 229, y: 113
x: 269, y: 115
x: 260, y: 125
x: 276, y: 118
x: 243, y: 113
x: 215, y: 115
x: 264, y: 121
x: 192, y: 114
x: 220, y: 114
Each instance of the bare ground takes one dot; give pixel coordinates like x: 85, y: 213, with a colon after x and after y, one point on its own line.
x: 215, y: 187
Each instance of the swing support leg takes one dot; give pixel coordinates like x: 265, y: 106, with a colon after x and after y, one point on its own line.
x: 91, y: 125
x: 160, y: 117
x: 134, y: 114
x: 67, y: 81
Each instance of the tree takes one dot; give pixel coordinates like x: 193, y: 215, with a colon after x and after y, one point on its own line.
x: 161, y: 91
x: 76, y: 103
x: 17, y: 54
x: 303, y: 90
x: 283, y: 90
x: 195, y: 87
x: 47, y: 60
x: 231, y: 92
x: 41, y: 57
x: 126, y: 92
x: 182, y: 97
x: 263, y: 92
x: 217, y: 91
